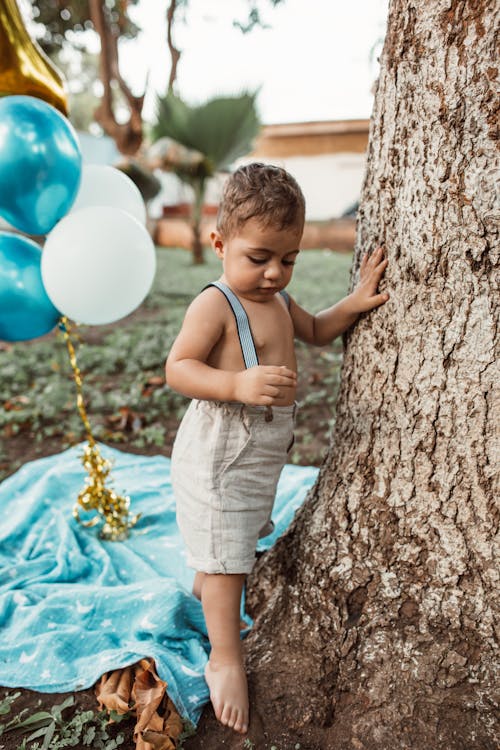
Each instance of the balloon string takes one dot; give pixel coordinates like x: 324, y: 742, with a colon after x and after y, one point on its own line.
x: 110, y: 507
x: 77, y: 376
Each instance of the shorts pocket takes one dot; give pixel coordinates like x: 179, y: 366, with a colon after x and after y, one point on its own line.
x: 235, y: 438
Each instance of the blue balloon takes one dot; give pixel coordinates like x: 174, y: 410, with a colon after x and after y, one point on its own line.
x: 40, y: 164
x: 26, y: 312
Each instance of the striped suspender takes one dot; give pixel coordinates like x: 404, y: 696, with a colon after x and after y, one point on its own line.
x: 250, y: 357
x: 244, y: 333
x: 286, y: 297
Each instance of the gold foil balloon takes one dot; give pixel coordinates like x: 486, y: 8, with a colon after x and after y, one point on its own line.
x: 24, y: 67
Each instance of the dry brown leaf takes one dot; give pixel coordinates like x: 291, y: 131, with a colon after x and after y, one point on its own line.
x: 141, y: 744
x: 173, y: 723
x: 113, y: 690
x: 156, y: 741
x: 158, y: 726
x: 148, y: 691
x: 16, y: 403
x: 125, y: 685
x: 156, y: 380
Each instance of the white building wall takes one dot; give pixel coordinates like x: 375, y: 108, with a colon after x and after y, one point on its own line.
x: 331, y: 183
x: 174, y: 191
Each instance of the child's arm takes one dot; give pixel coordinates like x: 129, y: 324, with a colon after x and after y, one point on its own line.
x: 322, y: 328
x: 188, y: 373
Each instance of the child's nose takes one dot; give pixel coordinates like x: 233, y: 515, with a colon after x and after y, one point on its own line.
x: 273, y: 271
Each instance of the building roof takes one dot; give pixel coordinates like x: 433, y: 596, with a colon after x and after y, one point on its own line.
x: 310, y: 138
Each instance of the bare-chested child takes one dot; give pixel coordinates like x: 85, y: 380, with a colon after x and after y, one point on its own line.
x: 234, y: 356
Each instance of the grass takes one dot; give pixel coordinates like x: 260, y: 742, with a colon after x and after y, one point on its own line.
x: 122, y: 367
x: 50, y: 730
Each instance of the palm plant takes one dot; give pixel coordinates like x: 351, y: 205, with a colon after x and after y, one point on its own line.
x: 220, y: 130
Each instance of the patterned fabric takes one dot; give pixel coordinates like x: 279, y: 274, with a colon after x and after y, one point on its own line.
x: 73, y: 607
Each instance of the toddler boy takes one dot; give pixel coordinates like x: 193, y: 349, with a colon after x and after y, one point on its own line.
x: 234, y: 357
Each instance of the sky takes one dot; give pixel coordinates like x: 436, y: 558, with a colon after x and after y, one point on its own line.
x: 316, y: 61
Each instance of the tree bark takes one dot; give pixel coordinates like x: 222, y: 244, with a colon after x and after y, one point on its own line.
x: 175, y: 54
x: 376, y: 612
x: 127, y: 135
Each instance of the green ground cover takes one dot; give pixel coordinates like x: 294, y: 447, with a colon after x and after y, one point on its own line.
x: 128, y: 403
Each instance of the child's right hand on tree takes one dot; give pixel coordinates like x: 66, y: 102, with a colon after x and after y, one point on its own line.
x: 366, y: 296
x: 263, y: 385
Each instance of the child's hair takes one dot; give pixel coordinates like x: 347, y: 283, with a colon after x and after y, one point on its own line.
x: 264, y: 192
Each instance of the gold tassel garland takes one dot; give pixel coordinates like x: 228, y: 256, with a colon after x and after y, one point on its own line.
x: 110, y: 507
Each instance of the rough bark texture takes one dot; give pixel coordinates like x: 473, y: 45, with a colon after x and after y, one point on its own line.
x: 378, y: 609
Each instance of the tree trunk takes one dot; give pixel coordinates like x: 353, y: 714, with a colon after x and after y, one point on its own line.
x: 175, y: 54
x: 127, y: 135
x: 376, y: 612
x: 198, y: 186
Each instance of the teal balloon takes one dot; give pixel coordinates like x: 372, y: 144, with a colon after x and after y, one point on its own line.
x: 40, y: 164
x: 26, y: 311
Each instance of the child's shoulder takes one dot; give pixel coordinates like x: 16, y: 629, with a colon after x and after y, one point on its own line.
x: 208, y: 303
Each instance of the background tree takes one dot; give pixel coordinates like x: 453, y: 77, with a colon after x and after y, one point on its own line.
x: 375, y: 613
x: 218, y: 131
x: 175, y: 54
x: 59, y: 26
x: 60, y: 22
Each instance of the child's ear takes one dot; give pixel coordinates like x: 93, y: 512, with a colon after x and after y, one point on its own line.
x: 217, y: 244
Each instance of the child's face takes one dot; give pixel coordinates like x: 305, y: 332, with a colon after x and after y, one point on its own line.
x: 258, y: 261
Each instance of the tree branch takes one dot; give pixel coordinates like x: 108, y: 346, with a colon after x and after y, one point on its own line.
x: 128, y: 135
x: 174, y: 52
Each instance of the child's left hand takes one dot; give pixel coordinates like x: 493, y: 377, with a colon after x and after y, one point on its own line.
x: 365, y: 295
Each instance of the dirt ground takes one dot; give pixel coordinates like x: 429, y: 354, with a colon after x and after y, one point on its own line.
x: 311, y: 442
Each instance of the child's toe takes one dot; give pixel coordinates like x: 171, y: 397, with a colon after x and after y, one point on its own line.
x: 233, y: 721
x: 225, y: 716
x: 240, y: 724
x: 218, y: 708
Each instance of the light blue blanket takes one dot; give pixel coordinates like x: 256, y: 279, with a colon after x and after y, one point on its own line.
x: 73, y: 607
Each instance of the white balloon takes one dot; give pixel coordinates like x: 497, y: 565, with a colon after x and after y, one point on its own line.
x: 102, y: 185
x: 99, y: 264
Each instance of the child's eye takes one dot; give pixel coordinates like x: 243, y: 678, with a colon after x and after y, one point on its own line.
x: 258, y: 261
x: 288, y: 262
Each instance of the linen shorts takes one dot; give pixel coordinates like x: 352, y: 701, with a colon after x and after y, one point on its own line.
x: 226, y: 462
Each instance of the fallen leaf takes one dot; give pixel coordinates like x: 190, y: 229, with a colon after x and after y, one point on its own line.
x: 138, y: 688
x: 113, y: 690
x: 155, y: 741
x: 127, y: 419
x: 152, y: 384
x: 156, y: 380
x: 16, y: 403
x: 173, y: 725
x: 315, y: 378
x: 148, y: 691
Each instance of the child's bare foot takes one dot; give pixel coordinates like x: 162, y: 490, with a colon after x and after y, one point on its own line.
x: 229, y: 694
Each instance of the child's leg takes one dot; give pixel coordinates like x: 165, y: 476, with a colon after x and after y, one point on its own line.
x: 225, y: 673
x: 197, y: 587
x: 198, y: 584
